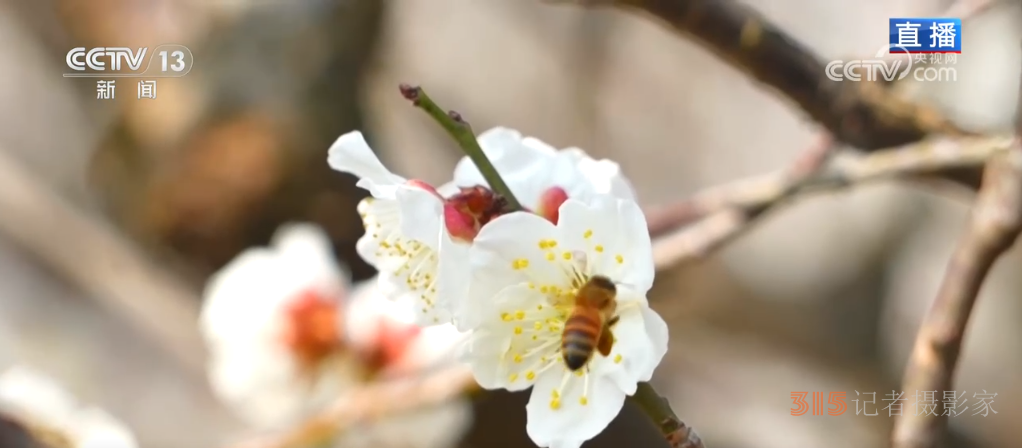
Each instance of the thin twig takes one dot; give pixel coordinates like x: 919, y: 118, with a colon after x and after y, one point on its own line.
x: 91, y: 255
x: 996, y: 223
x: 373, y: 402
x: 677, y: 433
x: 461, y: 131
x: 724, y: 213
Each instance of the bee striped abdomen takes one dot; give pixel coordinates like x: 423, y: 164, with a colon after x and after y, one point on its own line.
x: 581, y: 331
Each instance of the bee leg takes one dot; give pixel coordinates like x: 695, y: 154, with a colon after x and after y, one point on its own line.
x: 613, y: 320
x: 606, y: 342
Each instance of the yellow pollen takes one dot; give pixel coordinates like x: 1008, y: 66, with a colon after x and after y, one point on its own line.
x: 583, y: 401
x: 617, y: 359
x: 542, y: 244
x: 567, y: 255
x: 530, y: 375
x: 555, y: 394
x: 588, y: 233
x: 619, y: 259
x: 520, y: 263
x: 578, y: 373
x: 518, y: 330
x: 555, y: 404
x: 599, y: 248
x: 539, y: 307
x: 550, y: 256
x: 535, y: 337
x: 532, y: 285
x: 519, y: 314
x: 506, y: 317
x: 544, y: 289
x: 538, y: 325
x: 513, y: 377
x: 551, y: 243
x: 518, y: 359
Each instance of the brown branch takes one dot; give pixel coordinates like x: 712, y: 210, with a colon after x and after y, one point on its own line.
x: 996, y: 223
x: 723, y: 213
x: 677, y: 433
x: 866, y: 115
x: 373, y: 402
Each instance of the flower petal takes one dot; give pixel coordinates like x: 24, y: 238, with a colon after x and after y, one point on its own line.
x: 605, y: 177
x: 351, y: 154
x: 382, y: 221
x: 452, y: 284
x: 268, y: 390
x: 434, y: 346
x: 527, y: 165
x: 506, y: 350
x: 507, y: 252
x: 482, y: 352
x: 28, y: 393
x: 572, y: 423
x: 617, y: 238
x: 307, y: 258
x: 504, y: 148
x: 657, y: 331
x: 243, y: 298
x: 421, y: 215
x: 633, y: 356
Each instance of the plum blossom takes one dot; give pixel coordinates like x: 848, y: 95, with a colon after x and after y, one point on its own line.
x: 528, y: 270
x: 418, y: 236
x: 385, y: 334
x: 54, y: 416
x: 272, y: 320
x: 386, y: 338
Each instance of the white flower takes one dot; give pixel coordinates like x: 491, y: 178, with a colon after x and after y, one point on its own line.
x: 384, y: 332
x: 530, y: 167
x: 418, y: 237
x: 43, y: 406
x: 526, y: 274
x: 272, y: 321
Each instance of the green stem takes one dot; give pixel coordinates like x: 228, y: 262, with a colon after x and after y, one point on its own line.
x: 461, y: 131
x: 677, y: 433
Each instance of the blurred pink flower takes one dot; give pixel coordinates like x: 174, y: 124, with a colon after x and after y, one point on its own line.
x: 272, y: 319
x: 288, y: 334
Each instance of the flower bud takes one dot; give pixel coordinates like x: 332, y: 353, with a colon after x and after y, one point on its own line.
x: 550, y: 203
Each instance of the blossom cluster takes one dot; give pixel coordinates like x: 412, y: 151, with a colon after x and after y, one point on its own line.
x: 288, y: 333
x: 518, y: 283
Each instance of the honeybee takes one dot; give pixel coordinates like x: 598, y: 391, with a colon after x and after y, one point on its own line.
x: 588, y: 326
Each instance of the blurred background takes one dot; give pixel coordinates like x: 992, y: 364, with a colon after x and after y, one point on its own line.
x: 113, y: 212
